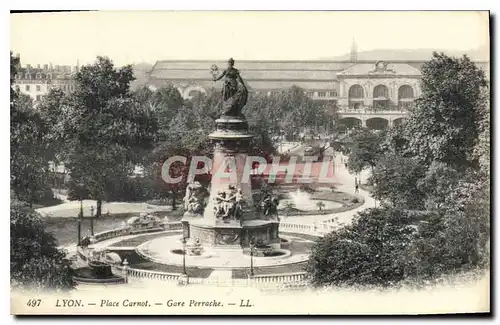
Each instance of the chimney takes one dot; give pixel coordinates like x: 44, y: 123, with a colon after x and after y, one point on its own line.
x: 45, y: 67
x: 354, y: 51
x: 28, y: 66
x: 38, y: 66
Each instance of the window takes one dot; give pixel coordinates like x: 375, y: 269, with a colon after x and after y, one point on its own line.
x: 27, y: 87
x: 332, y: 94
x: 310, y: 93
x: 405, y: 92
x: 381, y: 92
x: 18, y: 89
x: 38, y: 97
x: 356, y: 92
x: 27, y: 75
x: 405, y: 97
x: 38, y: 88
x: 321, y: 94
x: 39, y: 75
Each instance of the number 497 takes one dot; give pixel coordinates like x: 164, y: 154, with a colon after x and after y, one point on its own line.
x: 34, y: 302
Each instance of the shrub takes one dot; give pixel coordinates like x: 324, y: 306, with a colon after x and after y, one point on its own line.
x: 370, y: 251
x: 35, y: 260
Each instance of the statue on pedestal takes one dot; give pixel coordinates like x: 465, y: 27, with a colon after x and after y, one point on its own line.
x: 234, y: 90
x: 229, y: 204
x: 269, y: 202
x: 194, y: 198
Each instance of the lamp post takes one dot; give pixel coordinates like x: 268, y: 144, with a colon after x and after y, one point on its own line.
x: 251, y: 257
x: 80, y: 217
x: 92, y: 220
x: 184, y: 256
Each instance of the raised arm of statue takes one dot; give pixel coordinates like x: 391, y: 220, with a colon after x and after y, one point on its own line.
x: 221, y: 76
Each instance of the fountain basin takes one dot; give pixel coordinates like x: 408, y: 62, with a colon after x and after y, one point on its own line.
x: 309, y: 204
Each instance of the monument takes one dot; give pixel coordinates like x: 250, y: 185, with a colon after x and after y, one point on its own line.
x: 231, y: 219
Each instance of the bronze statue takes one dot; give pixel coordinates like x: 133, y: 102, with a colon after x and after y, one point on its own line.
x: 229, y: 204
x: 193, y: 200
x: 234, y: 90
x: 269, y: 202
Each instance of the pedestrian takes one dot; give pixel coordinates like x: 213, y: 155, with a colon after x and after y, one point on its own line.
x: 356, y: 190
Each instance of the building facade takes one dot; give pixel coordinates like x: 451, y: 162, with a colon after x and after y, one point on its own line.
x: 36, y: 82
x: 375, y: 93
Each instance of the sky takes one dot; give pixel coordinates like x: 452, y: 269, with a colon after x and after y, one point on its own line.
x: 129, y: 37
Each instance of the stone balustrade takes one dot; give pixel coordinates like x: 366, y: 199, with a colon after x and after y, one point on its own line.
x: 111, y: 233
x: 280, y: 278
x: 173, y: 226
x: 287, y: 280
x: 150, y: 275
x: 108, y: 234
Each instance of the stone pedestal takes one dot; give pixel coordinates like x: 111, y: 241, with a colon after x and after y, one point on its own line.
x: 235, y: 236
x: 230, y: 172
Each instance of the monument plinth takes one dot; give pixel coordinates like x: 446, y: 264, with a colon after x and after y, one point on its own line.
x: 230, y: 218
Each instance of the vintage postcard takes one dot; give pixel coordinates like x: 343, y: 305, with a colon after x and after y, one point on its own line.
x: 250, y: 162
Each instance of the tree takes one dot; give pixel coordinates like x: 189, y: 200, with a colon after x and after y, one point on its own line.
x: 457, y: 236
x: 364, y: 149
x: 106, y: 130
x: 30, y: 154
x: 444, y: 124
x: 370, y: 251
x: 51, y: 109
x: 35, y: 260
x: 320, y: 205
x: 438, y: 183
x: 186, y: 135
x: 395, y: 179
x: 431, y: 175
x: 167, y: 102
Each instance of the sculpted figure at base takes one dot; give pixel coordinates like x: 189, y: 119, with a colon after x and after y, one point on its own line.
x: 234, y: 90
x: 269, y: 202
x: 194, y: 198
x: 229, y: 204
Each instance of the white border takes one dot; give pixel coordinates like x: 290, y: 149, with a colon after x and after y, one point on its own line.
x: 190, y: 5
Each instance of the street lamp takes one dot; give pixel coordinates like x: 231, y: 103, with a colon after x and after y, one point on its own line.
x: 184, y: 256
x: 92, y: 220
x: 80, y: 218
x: 251, y: 257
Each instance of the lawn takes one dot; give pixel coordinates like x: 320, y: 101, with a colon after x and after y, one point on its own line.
x: 65, y: 229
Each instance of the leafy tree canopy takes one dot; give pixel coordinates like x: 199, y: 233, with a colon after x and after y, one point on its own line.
x: 35, y: 260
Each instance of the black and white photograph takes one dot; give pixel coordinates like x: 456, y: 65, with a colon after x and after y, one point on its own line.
x: 250, y: 162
